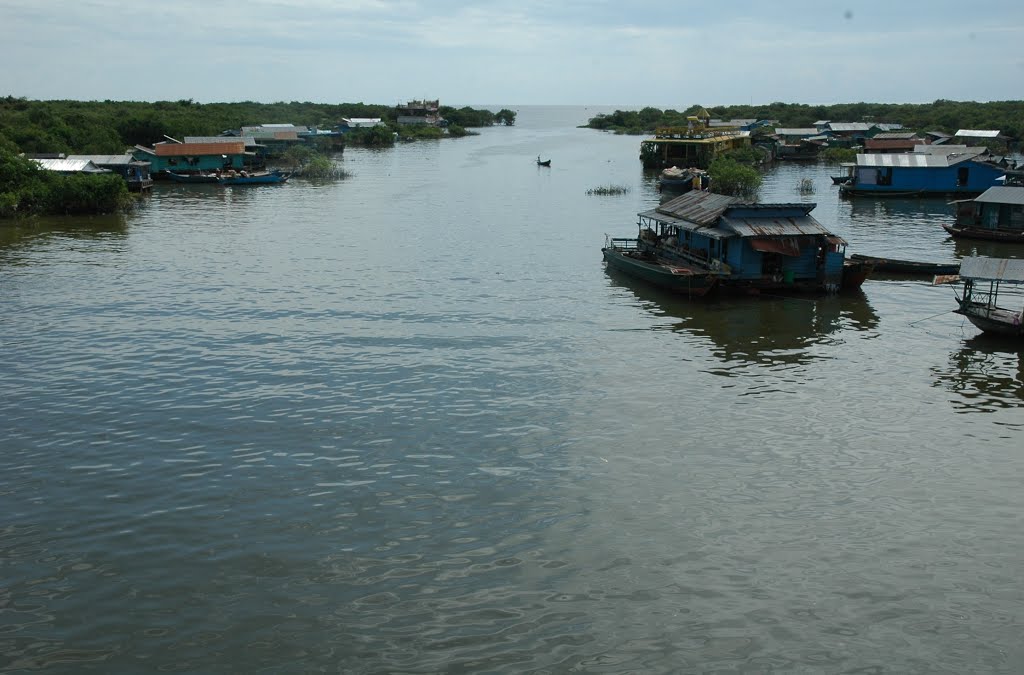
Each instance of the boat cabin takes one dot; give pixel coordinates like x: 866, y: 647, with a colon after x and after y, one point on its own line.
x: 998, y: 209
x: 753, y: 246
x: 135, y: 172
x: 992, y: 299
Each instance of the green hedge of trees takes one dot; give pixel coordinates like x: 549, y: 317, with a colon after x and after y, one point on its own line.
x: 941, y: 115
x: 27, y: 190
x: 108, y: 127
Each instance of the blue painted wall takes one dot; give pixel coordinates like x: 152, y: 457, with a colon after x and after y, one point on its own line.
x: 980, y: 177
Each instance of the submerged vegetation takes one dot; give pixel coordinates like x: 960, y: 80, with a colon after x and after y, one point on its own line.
x: 608, y: 190
x: 729, y: 177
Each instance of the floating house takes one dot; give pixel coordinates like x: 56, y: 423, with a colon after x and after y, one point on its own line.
x: 752, y: 247
x: 929, y: 170
x: 995, y: 215
x: 188, y: 158
x: 420, y: 113
x: 695, y: 145
x: 849, y: 134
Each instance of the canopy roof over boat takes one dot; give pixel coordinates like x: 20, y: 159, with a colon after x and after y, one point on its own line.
x: 979, y: 268
x: 1002, y: 194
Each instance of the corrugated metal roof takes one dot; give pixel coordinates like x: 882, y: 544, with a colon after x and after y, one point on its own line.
x: 890, y: 143
x: 108, y: 160
x: 701, y: 208
x: 914, y: 159
x: 849, y: 126
x: 977, y: 133
x: 894, y: 135
x: 808, y: 131
x: 992, y: 269
x: 1002, y: 194
x: 774, y: 227
x: 199, y: 149
x: 247, y: 140
x: 70, y: 165
x: 889, y: 126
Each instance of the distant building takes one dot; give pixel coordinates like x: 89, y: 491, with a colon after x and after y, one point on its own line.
x: 420, y: 112
x: 350, y: 123
x: 695, y: 145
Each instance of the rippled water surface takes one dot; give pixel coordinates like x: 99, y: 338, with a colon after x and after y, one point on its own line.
x: 407, y: 422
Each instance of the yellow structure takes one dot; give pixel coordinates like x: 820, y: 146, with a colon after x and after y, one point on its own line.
x: 695, y: 145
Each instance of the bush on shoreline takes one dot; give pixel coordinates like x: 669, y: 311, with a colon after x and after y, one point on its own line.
x: 28, y: 190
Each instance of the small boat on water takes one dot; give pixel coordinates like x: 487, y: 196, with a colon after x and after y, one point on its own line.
x: 894, y: 266
x: 688, y: 279
x: 257, y: 178
x: 982, y: 279
x: 543, y: 162
x: 231, y: 178
x: 679, y: 180
x: 192, y: 177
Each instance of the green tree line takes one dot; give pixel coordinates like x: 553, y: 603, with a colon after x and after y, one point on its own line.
x: 108, y: 127
x: 27, y: 190
x: 941, y: 115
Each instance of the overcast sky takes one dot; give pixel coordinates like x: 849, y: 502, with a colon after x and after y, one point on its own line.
x: 586, y: 52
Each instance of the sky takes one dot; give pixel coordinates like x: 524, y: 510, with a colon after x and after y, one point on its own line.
x: 528, y: 52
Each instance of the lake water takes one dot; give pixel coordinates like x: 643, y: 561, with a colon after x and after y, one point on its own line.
x: 407, y: 422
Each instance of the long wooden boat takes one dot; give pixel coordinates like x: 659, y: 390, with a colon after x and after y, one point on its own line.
x: 987, y: 234
x: 855, y: 273
x: 193, y: 177
x: 688, y: 280
x: 893, y: 265
x: 982, y: 278
x: 543, y: 162
x: 258, y: 178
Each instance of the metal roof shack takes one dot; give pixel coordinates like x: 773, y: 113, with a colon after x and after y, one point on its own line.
x: 895, y: 135
x: 980, y: 268
x: 109, y: 160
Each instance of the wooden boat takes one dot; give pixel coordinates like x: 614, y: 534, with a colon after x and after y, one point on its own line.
x: 689, y: 280
x: 855, y: 273
x: 982, y: 278
x: 258, y: 178
x: 193, y: 177
x: 895, y: 266
x: 543, y: 162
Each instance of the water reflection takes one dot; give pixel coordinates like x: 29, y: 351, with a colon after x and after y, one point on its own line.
x: 986, y: 374
x: 16, y: 237
x: 965, y: 248
x: 765, y: 330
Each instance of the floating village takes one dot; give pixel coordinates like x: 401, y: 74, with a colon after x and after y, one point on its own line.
x: 698, y: 242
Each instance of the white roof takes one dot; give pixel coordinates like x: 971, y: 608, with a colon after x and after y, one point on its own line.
x: 978, y: 133
x: 916, y: 159
x: 70, y: 165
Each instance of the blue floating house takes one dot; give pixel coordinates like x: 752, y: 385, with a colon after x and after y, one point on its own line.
x: 751, y: 246
x: 929, y: 170
x: 188, y: 158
